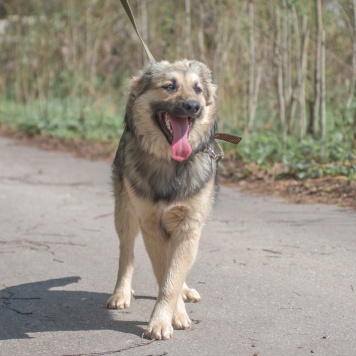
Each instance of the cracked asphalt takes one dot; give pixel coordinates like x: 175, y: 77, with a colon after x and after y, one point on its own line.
x: 275, y: 278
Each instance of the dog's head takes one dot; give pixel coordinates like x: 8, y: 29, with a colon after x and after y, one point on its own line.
x: 171, y: 108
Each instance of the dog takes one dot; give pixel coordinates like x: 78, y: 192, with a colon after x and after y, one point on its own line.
x: 164, y: 184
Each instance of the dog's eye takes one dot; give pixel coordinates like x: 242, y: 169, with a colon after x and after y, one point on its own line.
x: 197, y: 89
x: 169, y: 87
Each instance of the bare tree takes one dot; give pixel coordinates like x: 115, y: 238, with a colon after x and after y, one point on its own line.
x: 317, y: 81
x: 279, y: 65
x: 188, y: 48
x: 352, y: 89
x: 254, y: 76
x: 353, y: 37
x: 286, y: 61
x: 201, y: 43
x: 302, y: 74
x: 144, y: 28
x: 323, y: 86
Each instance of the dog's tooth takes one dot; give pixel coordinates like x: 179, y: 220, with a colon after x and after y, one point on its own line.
x: 168, y: 124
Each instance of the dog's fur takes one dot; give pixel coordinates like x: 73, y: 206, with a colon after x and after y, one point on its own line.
x: 165, y: 193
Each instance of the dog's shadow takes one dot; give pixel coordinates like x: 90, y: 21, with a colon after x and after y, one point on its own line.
x: 39, y: 307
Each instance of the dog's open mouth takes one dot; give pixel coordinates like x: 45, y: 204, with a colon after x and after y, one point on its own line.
x: 176, y: 130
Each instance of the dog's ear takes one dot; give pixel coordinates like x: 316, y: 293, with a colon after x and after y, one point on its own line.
x: 136, y: 87
x: 209, y: 87
x: 140, y: 83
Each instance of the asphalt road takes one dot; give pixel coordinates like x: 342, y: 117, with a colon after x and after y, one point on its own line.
x: 275, y: 278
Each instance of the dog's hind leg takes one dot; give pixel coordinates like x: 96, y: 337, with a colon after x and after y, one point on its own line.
x: 190, y: 295
x: 180, y: 318
x: 127, y: 227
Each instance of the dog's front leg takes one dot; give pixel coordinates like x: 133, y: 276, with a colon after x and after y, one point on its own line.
x: 184, y: 233
x: 127, y: 228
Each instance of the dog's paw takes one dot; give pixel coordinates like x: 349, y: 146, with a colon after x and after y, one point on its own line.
x: 181, y: 320
x: 190, y: 295
x: 159, y: 329
x: 120, y: 300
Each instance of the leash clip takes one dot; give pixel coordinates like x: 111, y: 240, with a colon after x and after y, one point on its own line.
x: 215, y: 152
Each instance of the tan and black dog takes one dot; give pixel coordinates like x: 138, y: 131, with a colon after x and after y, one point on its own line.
x: 164, y: 183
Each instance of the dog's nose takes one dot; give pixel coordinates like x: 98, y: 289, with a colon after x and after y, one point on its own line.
x: 192, y: 107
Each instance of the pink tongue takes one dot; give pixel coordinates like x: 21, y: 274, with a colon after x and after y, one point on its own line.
x: 181, y: 148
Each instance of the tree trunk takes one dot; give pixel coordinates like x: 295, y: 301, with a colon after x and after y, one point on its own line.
x: 296, y: 90
x: 278, y: 60
x: 323, y: 87
x: 252, y: 62
x: 353, y: 77
x: 201, y: 43
x: 144, y: 29
x: 286, y: 65
x: 255, y: 95
x: 303, y: 70
x: 354, y: 132
x: 188, y: 48
x: 317, y: 89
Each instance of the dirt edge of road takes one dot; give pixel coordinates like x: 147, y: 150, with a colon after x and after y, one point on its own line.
x: 327, y: 190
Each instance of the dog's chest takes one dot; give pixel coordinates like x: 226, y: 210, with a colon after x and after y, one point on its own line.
x: 168, y: 181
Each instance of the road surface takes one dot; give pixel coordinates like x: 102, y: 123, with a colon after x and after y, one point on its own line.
x: 275, y: 278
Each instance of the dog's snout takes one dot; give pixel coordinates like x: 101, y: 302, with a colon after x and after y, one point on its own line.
x: 192, y: 107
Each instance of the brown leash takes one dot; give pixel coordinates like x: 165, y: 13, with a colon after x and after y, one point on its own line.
x: 228, y: 138
x: 131, y: 17
x: 214, y: 151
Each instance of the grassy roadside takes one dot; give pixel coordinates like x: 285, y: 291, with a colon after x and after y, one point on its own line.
x: 101, y: 121
x: 65, y: 119
x: 259, y: 178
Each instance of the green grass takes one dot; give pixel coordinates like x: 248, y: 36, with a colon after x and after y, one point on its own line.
x: 101, y: 121
x: 308, y: 158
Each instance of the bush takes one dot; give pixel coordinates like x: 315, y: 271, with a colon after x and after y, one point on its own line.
x: 308, y: 158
